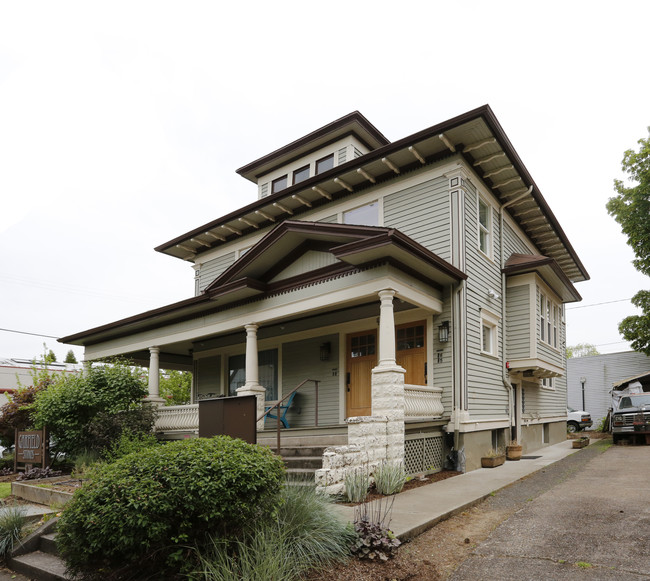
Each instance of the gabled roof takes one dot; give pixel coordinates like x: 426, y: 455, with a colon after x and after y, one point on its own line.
x: 548, y: 270
x: 252, y: 276
x: 476, y: 136
x: 352, y: 245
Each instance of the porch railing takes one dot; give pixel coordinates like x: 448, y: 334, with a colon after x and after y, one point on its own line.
x: 277, y: 407
x: 177, y: 418
x: 422, y: 402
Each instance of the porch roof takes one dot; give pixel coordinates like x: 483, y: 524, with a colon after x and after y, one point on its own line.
x: 353, y: 248
x: 475, y: 136
x: 549, y: 271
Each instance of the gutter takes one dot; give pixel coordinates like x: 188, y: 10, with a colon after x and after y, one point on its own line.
x: 504, y: 377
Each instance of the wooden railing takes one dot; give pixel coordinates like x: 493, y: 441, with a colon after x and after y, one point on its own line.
x: 422, y: 402
x: 277, y: 407
x: 177, y: 418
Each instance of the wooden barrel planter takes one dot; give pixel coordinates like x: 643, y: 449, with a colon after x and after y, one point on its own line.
x: 513, y: 452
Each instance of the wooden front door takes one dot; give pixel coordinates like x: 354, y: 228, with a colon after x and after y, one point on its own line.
x: 411, y: 352
x: 361, y: 358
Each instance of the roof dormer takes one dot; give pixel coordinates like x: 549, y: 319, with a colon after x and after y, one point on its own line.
x: 316, y: 153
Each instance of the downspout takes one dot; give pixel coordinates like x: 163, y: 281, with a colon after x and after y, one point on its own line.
x: 456, y: 359
x: 504, y: 377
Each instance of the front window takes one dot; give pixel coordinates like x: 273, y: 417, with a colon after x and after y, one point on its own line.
x: 324, y: 164
x: 367, y: 215
x: 267, y: 362
x: 484, y: 227
x: 279, y: 184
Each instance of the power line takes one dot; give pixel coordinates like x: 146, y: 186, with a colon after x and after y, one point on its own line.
x: 598, y: 304
x: 26, y: 333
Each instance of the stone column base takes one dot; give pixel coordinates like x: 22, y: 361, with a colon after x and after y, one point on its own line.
x: 260, y: 393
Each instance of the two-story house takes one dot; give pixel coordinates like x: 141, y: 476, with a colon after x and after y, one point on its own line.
x: 420, y: 282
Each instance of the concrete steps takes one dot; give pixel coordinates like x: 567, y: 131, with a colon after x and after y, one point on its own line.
x: 303, y: 454
x: 37, y: 556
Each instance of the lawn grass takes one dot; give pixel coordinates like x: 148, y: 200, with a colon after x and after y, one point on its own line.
x: 5, y: 489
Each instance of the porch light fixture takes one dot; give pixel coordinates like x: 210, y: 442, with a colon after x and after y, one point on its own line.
x: 325, y: 351
x: 443, y: 332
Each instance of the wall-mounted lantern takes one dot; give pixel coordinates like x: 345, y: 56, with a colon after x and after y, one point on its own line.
x: 325, y: 351
x: 443, y: 332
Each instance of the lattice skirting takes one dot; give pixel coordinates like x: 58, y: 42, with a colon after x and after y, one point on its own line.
x: 423, y: 453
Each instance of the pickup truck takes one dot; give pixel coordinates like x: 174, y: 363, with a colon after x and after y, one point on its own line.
x: 577, y: 420
x: 632, y: 417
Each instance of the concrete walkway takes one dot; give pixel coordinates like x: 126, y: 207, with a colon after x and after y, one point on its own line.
x: 421, y: 508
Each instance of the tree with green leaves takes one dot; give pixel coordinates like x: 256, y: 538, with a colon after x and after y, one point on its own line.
x: 89, y: 411
x: 581, y: 350
x: 175, y: 387
x: 631, y: 209
x: 70, y: 357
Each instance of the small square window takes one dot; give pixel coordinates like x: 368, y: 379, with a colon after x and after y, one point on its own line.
x: 300, y: 175
x: 324, y: 164
x: 489, y: 323
x: 279, y: 184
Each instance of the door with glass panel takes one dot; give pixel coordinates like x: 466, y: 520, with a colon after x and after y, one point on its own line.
x: 411, y: 352
x: 361, y: 358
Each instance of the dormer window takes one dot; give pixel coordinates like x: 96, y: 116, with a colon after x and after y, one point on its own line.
x: 279, y: 184
x: 300, y: 175
x: 324, y: 164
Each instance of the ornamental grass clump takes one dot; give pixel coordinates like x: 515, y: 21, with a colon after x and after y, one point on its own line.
x: 357, y: 484
x: 305, y: 535
x: 147, y: 513
x: 12, y: 522
x: 390, y: 477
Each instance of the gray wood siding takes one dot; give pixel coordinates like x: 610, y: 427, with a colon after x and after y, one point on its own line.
x: 330, y: 219
x: 512, y: 243
x: 487, y: 395
x: 442, y: 372
x: 208, y: 375
x: 422, y: 212
x: 518, y: 322
x: 342, y: 155
x: 300, y: 361
x: 212, y: 269
x: 600, y: 372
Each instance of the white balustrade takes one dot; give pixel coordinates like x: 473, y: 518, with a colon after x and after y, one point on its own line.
x: 422, y: 402
x: 177, y: 418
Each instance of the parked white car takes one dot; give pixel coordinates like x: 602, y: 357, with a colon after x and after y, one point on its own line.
x: 577, y: 420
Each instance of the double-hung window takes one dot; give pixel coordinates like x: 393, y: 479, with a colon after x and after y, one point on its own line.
x: 489, y: 326
x: 549, y: 320
x: 484, y: 228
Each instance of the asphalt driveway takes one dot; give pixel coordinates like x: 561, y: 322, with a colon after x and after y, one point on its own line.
x: 588, y: 517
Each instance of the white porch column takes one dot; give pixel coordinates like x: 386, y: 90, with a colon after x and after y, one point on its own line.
x: 154, y: 376
x: 386, y: 329
x: 252, y: 385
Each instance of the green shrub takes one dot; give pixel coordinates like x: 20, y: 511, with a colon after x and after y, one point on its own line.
x: 390, y: 477
x: 143, y: 512
x: 12, y: 521
x: 130, y: 442
x: 307, y: 534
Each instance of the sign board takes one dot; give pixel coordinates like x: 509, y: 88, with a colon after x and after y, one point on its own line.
x: 32, y: 449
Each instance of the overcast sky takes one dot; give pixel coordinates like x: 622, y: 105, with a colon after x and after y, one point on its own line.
x: 122, y: 125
